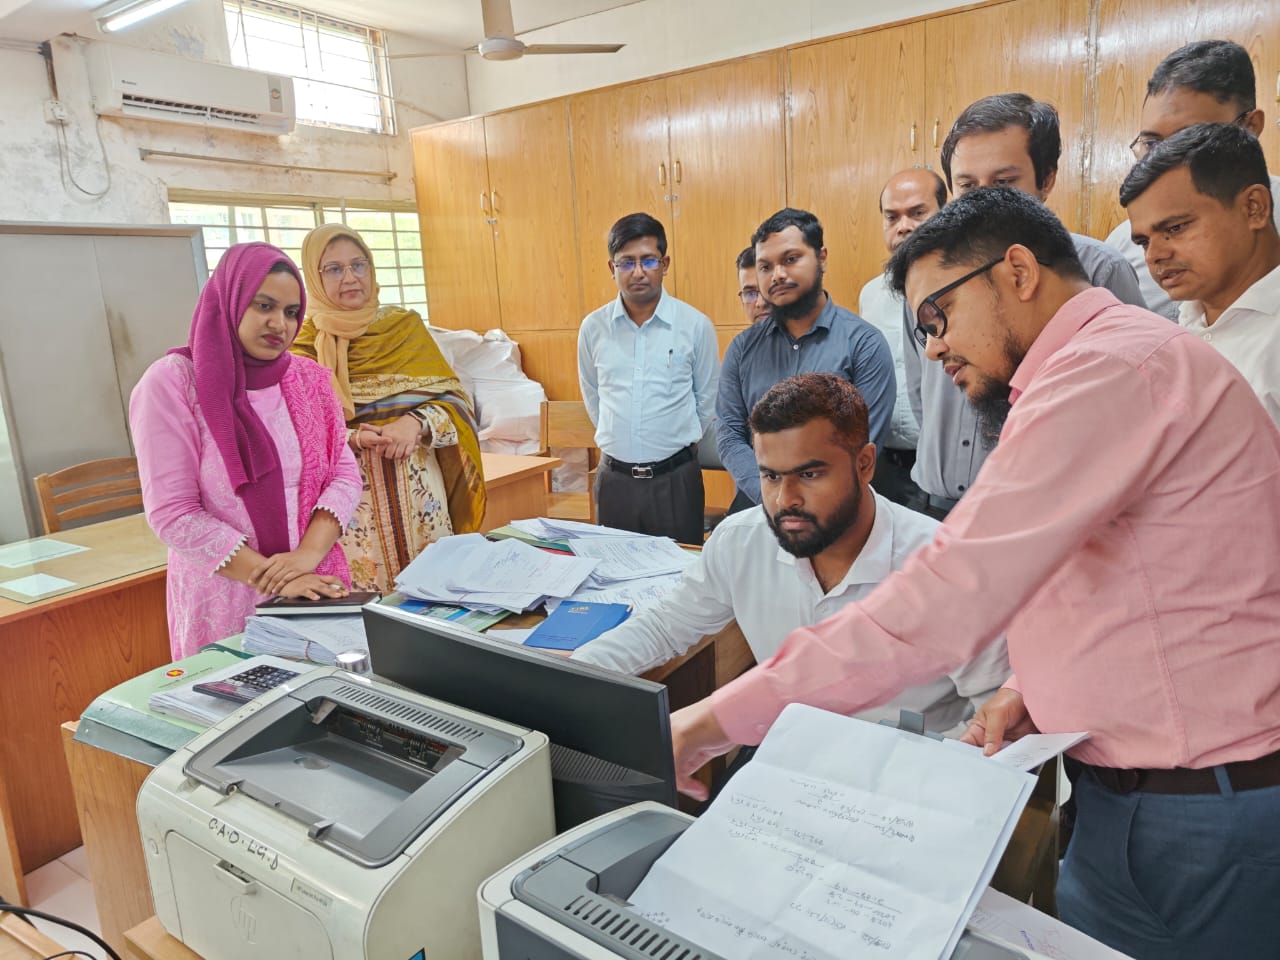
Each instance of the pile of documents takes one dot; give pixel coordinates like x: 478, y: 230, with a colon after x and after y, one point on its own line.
x: 635, y: 569
x: 841, y: 839
x: 599, y: 565
x: 470, y: 571
x: 318, y: 638
x: 203, y: 709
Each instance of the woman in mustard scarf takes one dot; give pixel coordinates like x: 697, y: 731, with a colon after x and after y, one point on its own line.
x: 410, y: 423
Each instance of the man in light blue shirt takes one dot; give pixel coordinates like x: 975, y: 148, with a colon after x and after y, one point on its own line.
x: 648, y: 365
x: 806, y: 332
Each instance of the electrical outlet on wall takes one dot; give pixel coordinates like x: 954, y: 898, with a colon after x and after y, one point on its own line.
x: 55, y: 111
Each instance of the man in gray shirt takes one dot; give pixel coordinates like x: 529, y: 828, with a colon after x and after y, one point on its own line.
x: 805, y: 332
x: 1008, y: 140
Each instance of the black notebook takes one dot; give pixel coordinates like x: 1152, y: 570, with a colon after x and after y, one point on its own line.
x: 300, y: 606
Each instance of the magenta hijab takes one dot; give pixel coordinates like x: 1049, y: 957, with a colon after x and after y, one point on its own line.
x: 225, y: 374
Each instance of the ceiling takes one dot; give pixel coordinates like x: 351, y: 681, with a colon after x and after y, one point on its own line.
x: 438, y: 24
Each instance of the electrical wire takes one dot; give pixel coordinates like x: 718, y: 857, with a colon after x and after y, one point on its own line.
x: 64, y: 162
x: 83, y: 931
x: 70, y: 953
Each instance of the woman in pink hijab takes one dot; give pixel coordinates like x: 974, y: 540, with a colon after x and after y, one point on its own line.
x: 242, y: 450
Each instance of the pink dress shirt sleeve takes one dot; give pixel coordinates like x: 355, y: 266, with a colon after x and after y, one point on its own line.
x: 341, y: 495
x: 167, y: 441
x: 1063, y: 467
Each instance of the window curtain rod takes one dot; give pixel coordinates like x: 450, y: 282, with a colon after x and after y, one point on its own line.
x: 146, y: 154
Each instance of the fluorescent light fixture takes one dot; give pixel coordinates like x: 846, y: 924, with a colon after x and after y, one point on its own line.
x: 117, y: 16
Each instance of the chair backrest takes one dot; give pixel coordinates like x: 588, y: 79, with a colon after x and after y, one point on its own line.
x: 565, y: 424
x: 88, y: 489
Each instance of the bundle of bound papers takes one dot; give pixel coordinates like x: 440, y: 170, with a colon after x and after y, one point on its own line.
x: 316, y: 638
x: 468, y: 570
x: 840, y: 840
x: 204, y: 709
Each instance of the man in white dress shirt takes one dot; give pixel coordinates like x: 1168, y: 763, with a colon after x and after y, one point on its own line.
x: 1209, y: 81
x: 820, y: 540
x: 1200, y: 208
x: 909, y: 199
x: 648, y: 365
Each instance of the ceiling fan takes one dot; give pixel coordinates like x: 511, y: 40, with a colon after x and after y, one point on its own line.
x: 500, y: 41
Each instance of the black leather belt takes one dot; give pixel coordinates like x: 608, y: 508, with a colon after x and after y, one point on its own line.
x: 1243, y: 775
x: 647, y: 471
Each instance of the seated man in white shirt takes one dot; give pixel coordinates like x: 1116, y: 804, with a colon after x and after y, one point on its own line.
x: 1200, y: 208
x: 821, y: 539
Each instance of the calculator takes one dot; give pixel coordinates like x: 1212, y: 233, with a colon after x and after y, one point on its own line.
x: 246, y: 685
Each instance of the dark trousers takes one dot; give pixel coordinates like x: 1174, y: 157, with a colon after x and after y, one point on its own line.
x: 1168, y: 877
x: 667, y: 505
x: 893, y: 478
x: 741, y: 502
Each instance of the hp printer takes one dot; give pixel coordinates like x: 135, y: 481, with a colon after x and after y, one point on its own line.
x: 567, y: 900
x: 340, y: 818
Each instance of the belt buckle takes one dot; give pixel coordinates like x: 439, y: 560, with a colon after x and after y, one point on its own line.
x: 642, y: 473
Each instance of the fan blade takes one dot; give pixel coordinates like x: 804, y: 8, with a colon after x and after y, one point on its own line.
x: 496, y: 15
x: 573, y: 47
x: 434, y: 53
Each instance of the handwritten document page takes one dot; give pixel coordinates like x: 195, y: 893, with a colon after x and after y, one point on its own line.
x: 840, y: 840
x: 630, y: 558
x: 1027, y: 753
x: 1022, y: 926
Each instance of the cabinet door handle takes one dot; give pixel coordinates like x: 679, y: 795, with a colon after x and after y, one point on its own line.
x: 913, y: 138
x: 484, y: 202
x: 679, y: 171
x: 662, y: 174
x: 493, y: 199
x: 936, y: 124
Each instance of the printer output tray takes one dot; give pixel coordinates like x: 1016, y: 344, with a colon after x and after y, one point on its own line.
x: 585, y: 886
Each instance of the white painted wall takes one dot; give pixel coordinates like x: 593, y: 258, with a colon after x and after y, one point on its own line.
x: 426, y: 90
x: 666, y: 35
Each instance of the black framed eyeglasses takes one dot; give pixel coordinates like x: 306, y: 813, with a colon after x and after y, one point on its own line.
x: 931, y: 319
x: 748, y: 296
x: 628, y: 264
x: 1142, y: 145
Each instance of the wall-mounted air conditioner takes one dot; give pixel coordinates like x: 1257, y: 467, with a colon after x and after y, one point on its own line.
x: 130, y: 82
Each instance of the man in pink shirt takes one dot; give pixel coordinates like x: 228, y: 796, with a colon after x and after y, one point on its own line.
x: 1124, y: 535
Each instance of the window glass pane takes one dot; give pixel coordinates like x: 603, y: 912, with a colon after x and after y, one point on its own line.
x: 248, y: 216
x: 410, y: 258
x: 412, y: 276
x: 407, y: 222
x: 336, y: 65
x: 385, y: 260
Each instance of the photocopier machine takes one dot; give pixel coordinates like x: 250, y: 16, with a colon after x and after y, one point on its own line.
x: 341, y: 818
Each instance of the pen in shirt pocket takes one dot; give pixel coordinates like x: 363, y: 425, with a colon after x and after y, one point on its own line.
x: 670, y: 354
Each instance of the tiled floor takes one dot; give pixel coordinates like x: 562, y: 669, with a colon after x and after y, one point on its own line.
x: 61, y: 887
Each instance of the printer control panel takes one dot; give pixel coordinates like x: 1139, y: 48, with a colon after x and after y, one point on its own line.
x: 392, y: 740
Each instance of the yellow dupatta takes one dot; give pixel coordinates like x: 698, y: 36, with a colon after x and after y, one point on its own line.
x: 377, y: 352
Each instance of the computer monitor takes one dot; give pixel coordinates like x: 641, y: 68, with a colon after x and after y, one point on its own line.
x: 610, y: 733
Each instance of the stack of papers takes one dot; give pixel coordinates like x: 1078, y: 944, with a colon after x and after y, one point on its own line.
x: 468, y: 570
x: 841, y: 839
x: 318, y: 638
x: 552, y: 528
x: 204, y: 710
x: 631, y: 558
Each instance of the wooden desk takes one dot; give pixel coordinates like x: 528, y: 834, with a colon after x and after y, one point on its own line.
x: 148, y: 941
x: 21, y: 941
x: 516, y: 487
x: 59, y: 654
x: 106, y: 789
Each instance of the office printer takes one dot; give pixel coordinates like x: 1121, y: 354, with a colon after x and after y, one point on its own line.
x: 340, y: 818
x: 567, y: 899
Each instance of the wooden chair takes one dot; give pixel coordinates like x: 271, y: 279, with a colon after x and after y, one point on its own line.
x: 565, y: 425
x: 88, y: 489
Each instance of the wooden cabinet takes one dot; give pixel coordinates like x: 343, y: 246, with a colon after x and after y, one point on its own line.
x: 497, y: 220
x: 703, y: 152
x: 1036, y: 47
x: 451, y: 177
x: 620, y: 166
x: 1133, y: 37
x: 728, y: 154
x: 853, y: 121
